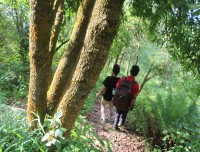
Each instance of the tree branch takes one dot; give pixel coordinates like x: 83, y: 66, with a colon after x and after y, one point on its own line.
x: 55, y: 10
x: 56, y: 29
x: 146, y: 78
x: 70, y: 58
x: 64, y: 42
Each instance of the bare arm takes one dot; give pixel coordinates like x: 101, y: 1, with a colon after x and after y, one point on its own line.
x: 101, y: 91
x: 132, y: 101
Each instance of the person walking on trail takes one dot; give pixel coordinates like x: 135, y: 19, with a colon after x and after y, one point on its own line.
x: 127, y: 90
x: 109, y: 84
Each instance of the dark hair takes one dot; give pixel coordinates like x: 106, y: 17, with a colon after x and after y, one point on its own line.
x: 116, y: 69
x: 135, y: 70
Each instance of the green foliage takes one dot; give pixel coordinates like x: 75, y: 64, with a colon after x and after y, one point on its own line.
x: 90, y: 102
x: 13, y: 77
x: 14, y: 74
x: 170, y: 115
x: 14, y: 26
x: 182, y: 137
x: 81, y: 138
x: 174, y: 24
x: 121, y: 41
x: 14, y: 133
x: 16, y: 136
x: 71, y: 8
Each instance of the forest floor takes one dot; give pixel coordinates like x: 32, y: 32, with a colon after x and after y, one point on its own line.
x: 124, y: 140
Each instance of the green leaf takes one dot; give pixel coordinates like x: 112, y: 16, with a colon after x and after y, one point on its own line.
x: 85, y: 129
x: 15, y: 133
x: 86, y: 138
x: 108, y: 145
x: 74, y: 133
x: 66, y: 149
x: 37, y: 144
x: 58, y: 121
x: 57, y: 115
x: 63, y: 129
x: 165, y: 132
x: 97, y: 137
x: 195, y: 6
x: 58, y: 133
x: 47, y: 122
x: 197, y: 12
x: 58, y: 144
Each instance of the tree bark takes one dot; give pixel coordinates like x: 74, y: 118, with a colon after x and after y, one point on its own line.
x: 56, y: 28
x: 40, y: 29
x: 103, y: 27
x: 66, y: 67
x: 55, y: 33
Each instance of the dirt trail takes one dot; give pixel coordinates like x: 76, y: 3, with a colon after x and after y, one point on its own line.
x: 121, y: 141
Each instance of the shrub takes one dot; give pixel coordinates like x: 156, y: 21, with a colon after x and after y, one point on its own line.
x: 16, y: 136
x: 168, y: 118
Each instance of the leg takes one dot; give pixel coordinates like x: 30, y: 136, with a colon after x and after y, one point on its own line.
x: 111, y: 109
x: 124, y: 114
x: 116, y: 121
x: 103, y: 110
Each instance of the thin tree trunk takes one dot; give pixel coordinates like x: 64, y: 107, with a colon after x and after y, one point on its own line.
x: 108, y: 65
x: 103, y: 27
x: 146, y: 78
x: 39, y: 58
x: 66, y: 67
x: 122, y: 57
x: 56, y: 29
x: 127, y: 68
x: 116, y: 59
x: 54, y: 35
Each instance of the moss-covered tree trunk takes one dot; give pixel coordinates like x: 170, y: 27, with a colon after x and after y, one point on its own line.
x: 102, y: 28
x: 80, y: 66
x: 66, y: 67
x: 39, y: 58
x: 42, y: 41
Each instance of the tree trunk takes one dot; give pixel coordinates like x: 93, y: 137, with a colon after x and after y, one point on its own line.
x: 103, y: 27
x: 146, y: 78
x: 54, y: 36
x: 66, y: 67
x: 122, y: 57
x: 108, y: 66
x: 40, y: 29
x: 127, y: 68
x: 116, y: 59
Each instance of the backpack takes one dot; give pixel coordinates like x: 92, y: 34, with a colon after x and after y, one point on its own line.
x: 123, y: 95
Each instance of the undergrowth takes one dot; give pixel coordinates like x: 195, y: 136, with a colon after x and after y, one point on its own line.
x: 170, y: 121
x: 15, y: 135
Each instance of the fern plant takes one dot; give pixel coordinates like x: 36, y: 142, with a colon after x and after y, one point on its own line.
x: 156, y: 116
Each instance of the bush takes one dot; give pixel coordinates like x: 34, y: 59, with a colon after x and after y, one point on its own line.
x: 16, y: 136
x: 168, y: 118
x: 81, y: 138
x: 14, y: 132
